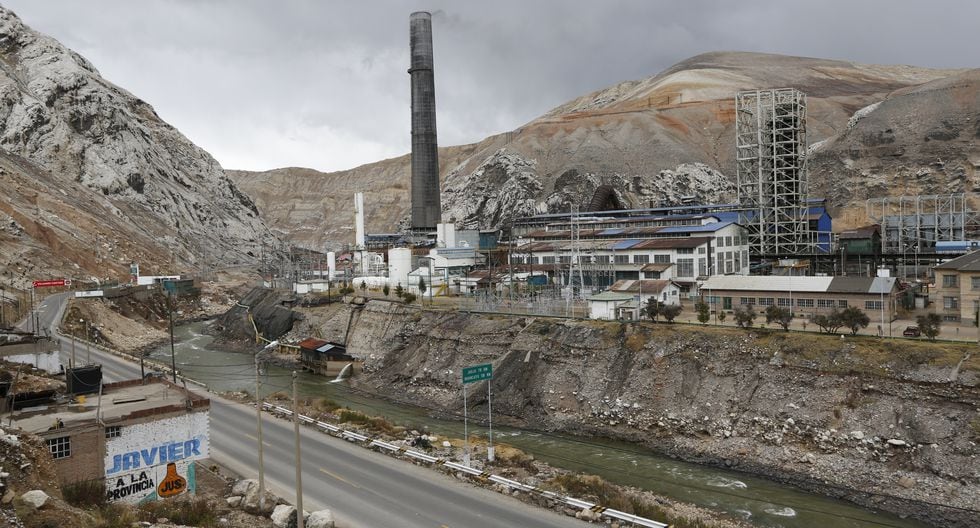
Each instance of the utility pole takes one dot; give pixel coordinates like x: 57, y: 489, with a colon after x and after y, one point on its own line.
x: 258, y: 423
x: 72, y: 362
x: 173, y: 356
x: 299, y: 464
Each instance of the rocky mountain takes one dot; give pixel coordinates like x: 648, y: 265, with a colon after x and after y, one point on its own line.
x: 93, y: 178
x: 873, y: 130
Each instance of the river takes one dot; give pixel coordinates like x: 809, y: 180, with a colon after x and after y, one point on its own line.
x: 759, y: 501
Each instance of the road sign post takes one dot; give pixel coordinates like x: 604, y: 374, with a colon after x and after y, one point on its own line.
x: 472, y: 375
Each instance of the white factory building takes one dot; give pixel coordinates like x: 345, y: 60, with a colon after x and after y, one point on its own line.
x: 681, y: 248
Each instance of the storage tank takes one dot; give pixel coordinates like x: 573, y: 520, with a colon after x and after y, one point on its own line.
x: 399, y: 266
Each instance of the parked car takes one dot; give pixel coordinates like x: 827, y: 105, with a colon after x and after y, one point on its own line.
x: 912, y: 331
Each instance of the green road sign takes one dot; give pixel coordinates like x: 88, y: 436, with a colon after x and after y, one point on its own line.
x: 477, y: 373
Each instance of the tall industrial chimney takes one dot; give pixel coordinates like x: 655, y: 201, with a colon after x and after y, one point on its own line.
x: 426, y: 211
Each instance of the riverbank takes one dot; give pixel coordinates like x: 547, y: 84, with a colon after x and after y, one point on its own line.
x: 886, y: 425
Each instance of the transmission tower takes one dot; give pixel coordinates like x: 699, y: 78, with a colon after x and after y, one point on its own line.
x: 770, y: 135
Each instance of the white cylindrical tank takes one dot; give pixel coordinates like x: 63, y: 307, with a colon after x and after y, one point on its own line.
x: 331, y: 264
x: 399, y: 266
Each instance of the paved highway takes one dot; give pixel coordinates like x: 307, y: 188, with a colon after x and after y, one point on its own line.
x: 362, y: 487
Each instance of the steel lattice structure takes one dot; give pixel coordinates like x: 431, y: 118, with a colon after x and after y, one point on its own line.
x: 770, y: 137
x: 916, y: 223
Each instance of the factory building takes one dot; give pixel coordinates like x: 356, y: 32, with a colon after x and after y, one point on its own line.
x: 679, y: 247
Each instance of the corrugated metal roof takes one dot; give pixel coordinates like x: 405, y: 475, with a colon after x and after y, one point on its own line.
x: 611, y: 296
x: 657, y: 266
x: 672, y: 243
x: 968, y: 262
x: 625, y: 244
x: 707, y: 228
x: 772, y: 283
x: 609, y: 232
x: 640, y: 286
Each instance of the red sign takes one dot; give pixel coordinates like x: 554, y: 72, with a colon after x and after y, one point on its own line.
x: 49, y: 283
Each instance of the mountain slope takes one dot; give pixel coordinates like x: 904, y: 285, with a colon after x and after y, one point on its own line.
x: 77, y: 148
x: 654, y: 140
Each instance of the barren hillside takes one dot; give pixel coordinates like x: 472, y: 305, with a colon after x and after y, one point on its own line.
x: 655, y: 139
x: 93, y: 178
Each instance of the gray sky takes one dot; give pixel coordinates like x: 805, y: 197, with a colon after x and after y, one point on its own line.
x: 323, y: 84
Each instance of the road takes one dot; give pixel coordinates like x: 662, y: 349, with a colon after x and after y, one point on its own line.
x: 362, y: 487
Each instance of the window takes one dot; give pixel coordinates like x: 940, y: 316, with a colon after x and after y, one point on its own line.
x: 728, y: 240
x: 766, y: 301
x: 719, y: 241
x: 685, y: 251
x: 602, y: 259
x: 547, y: 260
x: 685, y: 267
x: 712, y: 299
x: 702, y: 267
x: 641, y: 259
x: 661, y: 259
x: 874, y: 305
x: 951, y: 281
x: 567, y: 259
x: 975, y: 283
x: 785, y: 302
x: 702, y: 250
x: 951, y: 318
x: 60, y: 447
x: 746, y: 301
x: 949, y: 303
x: 825, y: 303
x: 113, y: 431
x: 804, y: 303
x: 842, y: 303
x: 622, y: 259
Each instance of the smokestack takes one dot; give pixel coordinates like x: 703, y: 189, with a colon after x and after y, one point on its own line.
x: 426, y: 211
x: 359, y: 220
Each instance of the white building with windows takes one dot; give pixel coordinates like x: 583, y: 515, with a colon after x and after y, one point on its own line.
x: 682, y: 249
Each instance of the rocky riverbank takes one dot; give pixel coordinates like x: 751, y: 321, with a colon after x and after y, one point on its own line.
x: 888, y: 425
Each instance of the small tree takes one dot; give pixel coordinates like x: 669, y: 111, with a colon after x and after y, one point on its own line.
x: 704, y: 312
x: 722, y: 315
x: 779, y: 315
x: 744, y: 316
x: 653, y: 309
x: 409, y: 298
x: 363, y: 285
x: 399, y: 291
x: 929, y: 325
x: 854, y: 318
x: 830, y: 322
x: 422, y: 286
x: 385, y: 290
x: 670, y: 311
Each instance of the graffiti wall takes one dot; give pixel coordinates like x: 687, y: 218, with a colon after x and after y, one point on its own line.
x: 154, y: 460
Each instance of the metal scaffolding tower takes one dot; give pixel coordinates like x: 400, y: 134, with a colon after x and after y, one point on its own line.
x: 770, y: 136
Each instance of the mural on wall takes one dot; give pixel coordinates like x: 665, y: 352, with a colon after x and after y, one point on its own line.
x: 155, y: 459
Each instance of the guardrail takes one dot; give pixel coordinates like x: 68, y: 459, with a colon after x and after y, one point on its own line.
x: 482, y: 475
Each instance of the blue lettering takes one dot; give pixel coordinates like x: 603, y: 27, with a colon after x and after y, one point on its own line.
x: 148, y: 456
x: 171, y: 452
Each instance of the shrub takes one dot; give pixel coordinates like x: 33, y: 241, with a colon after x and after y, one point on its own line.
x: 704, y: 312
x: 409, y: 298
x: 85, y: 494
x: 190, y: 511
x: 399, y: 291
x: 653, y: 309
x: 854, y: 318
x: 929, y: 325
x: 744, y: 316
x: 670, y: 312
x: 779, y: 315
x: 386, y: 290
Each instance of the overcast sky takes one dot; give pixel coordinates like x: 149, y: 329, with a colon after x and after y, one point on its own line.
x: 323, y: 84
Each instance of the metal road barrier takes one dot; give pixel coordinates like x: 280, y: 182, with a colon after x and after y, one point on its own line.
x: 482, y: 475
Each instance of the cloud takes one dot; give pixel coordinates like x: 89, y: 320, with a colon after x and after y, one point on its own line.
x: 262, y: 84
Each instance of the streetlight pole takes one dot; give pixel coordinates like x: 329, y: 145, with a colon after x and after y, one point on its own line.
x: 299, y: 464
x: 258, y: 424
